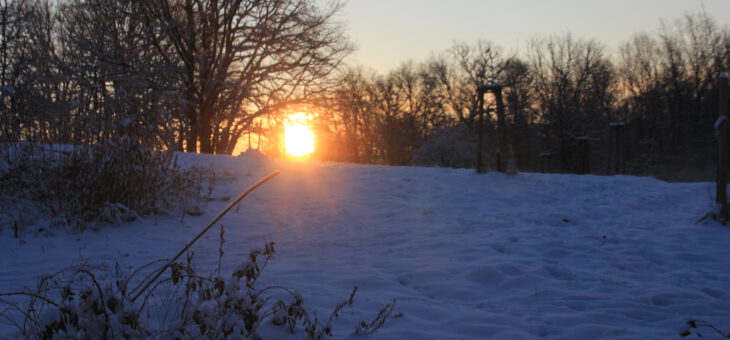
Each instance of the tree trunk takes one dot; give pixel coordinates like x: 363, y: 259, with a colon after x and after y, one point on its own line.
x: 192, y: 130
x: 205, y: 133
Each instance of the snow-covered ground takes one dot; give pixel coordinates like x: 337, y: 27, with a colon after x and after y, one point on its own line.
x: 466, y: 256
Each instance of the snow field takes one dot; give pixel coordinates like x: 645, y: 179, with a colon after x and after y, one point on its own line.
x: 466, y: 256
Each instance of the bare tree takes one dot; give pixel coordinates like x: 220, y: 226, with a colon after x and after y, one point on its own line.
x: 642, y: 96
x: 242, y: 58
x: 349, y: 122
x: 692, y: 50
x: 669, y: 93
x: 119, y: 83
x: 573, y: 88
x: 480, y: 63
x: 26, y: 70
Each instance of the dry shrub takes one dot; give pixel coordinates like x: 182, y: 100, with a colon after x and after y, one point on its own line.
x: 76, y: 303
x: 78, y: 186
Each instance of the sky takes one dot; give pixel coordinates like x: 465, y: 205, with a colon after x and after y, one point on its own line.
x: 390, y: 32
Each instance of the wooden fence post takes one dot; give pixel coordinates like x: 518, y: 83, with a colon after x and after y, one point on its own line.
x: 544, y: 161
x: 503, y: 155
x: 583, y: 162
x: 481, y: 89
x: 721, y: 131
x: 616, y: 155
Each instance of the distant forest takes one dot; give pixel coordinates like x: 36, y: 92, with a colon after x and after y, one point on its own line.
x: 201, y: 76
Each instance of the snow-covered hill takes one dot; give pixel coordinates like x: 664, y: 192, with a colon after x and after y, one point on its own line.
x: 466, y: 256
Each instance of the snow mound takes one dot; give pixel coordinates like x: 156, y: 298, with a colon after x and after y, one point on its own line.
x: 252, y: 153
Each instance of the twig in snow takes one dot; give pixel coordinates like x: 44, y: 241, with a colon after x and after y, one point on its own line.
x: 205, y: 230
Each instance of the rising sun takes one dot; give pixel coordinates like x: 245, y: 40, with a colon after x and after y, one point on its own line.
x: 298, y: 138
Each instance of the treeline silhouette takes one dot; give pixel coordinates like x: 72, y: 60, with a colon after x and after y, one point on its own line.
x: 200, y: 75
x: 572, y: 106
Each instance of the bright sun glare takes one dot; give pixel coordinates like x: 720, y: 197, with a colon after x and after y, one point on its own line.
x: 298, y: 137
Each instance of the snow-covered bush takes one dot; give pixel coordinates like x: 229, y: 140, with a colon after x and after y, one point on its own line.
x: 451, y: 147
x: 78, y: 186
x: 76, y: 303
